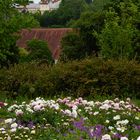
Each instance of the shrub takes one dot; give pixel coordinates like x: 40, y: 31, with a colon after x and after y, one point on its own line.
x: 72, y: 47
x: 89, y: 77
x: 39, y: 51
x: 23, y: 54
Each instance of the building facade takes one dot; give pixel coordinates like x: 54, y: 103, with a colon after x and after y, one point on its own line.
x: 44, y: 5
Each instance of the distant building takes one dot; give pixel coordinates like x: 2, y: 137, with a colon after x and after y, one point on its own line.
x: 44, y: 5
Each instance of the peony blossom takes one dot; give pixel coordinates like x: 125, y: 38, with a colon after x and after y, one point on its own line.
x: 106, y: 137
x: 19, y: 112
x: 74, y: 114
x: 13, y: 130
x: 9, y: 120
x: 33, y: 132
x: 117, y: 117
x: 124, y: 138
x: 14, y: 125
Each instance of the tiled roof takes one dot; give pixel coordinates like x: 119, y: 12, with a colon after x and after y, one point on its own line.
x: 53, y: 37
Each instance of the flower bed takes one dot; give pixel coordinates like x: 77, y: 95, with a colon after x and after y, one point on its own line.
x: 69, y: 119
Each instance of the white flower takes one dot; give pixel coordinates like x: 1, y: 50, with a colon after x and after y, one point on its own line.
x: 91, y: 103
x: 29, y: 110
x: 74, y: 107
x: 37, y: 108
x: 55, y: 106
x: 117, y: 117
x: 13, y: 130
x: 66, y: 123
x: 138, y: 138
x: 105, y: 106
x: 26, y: 128
x: 14, y: 125
x: 116, y: 106
x: 110, y: 127
x: 124, y: 138
x: 3, y: 132
x: 19, y: 112
x: 84, y: 102
x: 8, y: 138
x: 2, y: 129
x: 122, y: 129
x: 137, y: 118
x: 107, y: 121
x: 5, y: 104
x: 95, y: 113
x: 9, y: 120
x: 74, y: 114
x: 67, y: 112
x: 33, y: 132
x: 17, y: 137
x: 79, y: 110
x: 123, y: 122
x: 106, y: 137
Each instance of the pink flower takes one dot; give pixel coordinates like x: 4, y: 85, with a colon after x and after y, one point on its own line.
x: 37, y: 108
x: 1, y: 104
x: 19, y: 112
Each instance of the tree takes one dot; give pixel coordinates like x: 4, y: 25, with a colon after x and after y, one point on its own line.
x: 8, y: 50
x: 88, y: 1
x: 116, y: 41
x: 90, y: 21
x: 119, y: 34
x: 11, y: 22
x: 99, y: 5
x: 72, y: 47
x: 24, y: 3
x: 67, y: 11
x: 38, y: 50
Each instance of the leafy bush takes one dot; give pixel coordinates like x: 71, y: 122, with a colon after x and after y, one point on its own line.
x: 39, y: 51
x: 23, y: 54
x: 89, y: 77
x: 72, y: 47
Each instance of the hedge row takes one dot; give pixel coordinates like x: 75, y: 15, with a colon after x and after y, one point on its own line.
x: 77, y: 78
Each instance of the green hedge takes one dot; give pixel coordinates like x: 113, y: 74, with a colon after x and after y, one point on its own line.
x: 78, y: 78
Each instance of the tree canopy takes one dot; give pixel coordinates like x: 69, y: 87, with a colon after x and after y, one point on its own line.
x: 68, y: 10
x: 111, y: 29
x: 11, y: 22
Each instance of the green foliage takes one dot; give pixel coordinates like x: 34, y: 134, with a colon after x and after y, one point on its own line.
x: 72, y: 47
x: 99, y: 5
x: 68, y: 10
x: 111, y: 28
x: 23, y: 53
x: 116, y: 41
x: 90, y: 21
x: 8, y: 49
x: 119, y: 32
x: 90, y: 77
x: 11, y: 22
x: 38, y: 50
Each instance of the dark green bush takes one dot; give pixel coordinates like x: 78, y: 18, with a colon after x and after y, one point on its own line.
x: 72, y: 47
x: 38, y: 50
x: 89, y: 77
